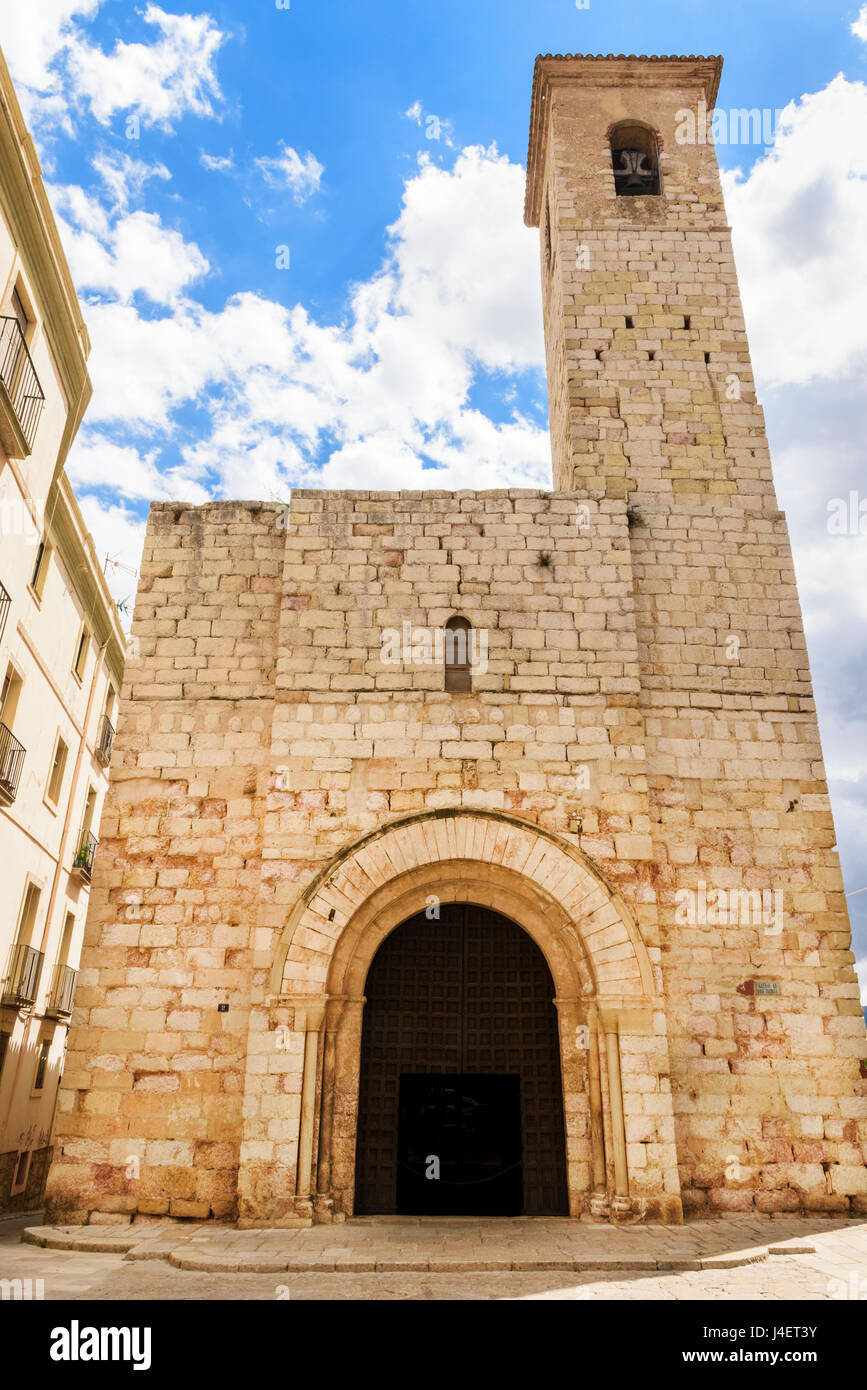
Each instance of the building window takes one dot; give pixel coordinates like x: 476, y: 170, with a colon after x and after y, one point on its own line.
x: 66, y: 939
x: 4, y: 1049
x: 62, y: 992
x: 42, y: 1064
x: 105, y: 741
x: 27, y: 921
x: 81, y: 655
x: 12, y: 752
x: 458, y: 636
x: 9, y: 697
x: 89, y: 809
x: 635, y: 158
x: 58, y: 767
x: 21, y: 982
x: 548, y: 243
x: 40, y: 569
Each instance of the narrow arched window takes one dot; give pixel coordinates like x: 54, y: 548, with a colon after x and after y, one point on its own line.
x: 635, y: 157
x: 458, y: 668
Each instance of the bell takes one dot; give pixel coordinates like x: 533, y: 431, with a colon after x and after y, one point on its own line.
x: 636, y: 180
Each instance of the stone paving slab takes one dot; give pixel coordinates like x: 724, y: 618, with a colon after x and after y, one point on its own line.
x: 419, y: 1245
x: 838, y: 1269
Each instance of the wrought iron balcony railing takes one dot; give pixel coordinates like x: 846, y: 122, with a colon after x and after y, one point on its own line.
x: 5, y: 604
x: 12, y: 755
x: 106, y: 740
x: 18, y: 375
x: 62, y: 991
x: 83, y: 864
x: 22, y: 976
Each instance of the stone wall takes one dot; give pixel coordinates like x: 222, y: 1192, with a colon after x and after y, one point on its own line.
x: 150, y: 1107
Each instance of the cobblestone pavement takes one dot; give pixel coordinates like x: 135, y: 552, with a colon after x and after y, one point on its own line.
x: 817, y: 1260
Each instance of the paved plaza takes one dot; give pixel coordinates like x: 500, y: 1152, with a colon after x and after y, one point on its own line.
x: 430, y: 1259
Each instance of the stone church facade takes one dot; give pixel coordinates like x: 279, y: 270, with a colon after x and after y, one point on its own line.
x: 570, y: 910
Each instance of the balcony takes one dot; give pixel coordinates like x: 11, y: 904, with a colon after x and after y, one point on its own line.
x: 62, y: 991
x: 106, y: 740
x: 22, y: 977
x: 12, y: 755
x: 5, y: 604
x: 83, y: 864
x: 21, y: 396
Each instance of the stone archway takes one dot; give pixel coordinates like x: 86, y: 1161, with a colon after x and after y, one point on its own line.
x: 601, y: 968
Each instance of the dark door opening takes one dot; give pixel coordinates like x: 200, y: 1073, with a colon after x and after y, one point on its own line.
x: 459, y: 1146
x: 460, y: 1061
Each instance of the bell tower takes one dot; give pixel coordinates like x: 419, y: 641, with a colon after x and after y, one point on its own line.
x: 651, y: 390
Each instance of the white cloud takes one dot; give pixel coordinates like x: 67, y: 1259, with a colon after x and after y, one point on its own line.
x: 459, y: 292
x: 288, y: 170
x: 132, y: 254
x: 32, y: 36
x: 159, y: 81
x: 414, y: 112
x: 125, y: 177
x: 57, y: 69
x: 859, y: 28
x: 99, y: 463
x: 217, y: 163
x: 800, y: 225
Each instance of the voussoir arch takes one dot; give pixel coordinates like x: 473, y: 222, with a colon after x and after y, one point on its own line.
x: 611, y: 956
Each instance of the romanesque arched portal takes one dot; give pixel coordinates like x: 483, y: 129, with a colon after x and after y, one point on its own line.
x: 611, y: 1024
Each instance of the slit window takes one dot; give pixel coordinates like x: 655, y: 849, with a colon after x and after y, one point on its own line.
x: 458, y: 669
x: 635, y: 159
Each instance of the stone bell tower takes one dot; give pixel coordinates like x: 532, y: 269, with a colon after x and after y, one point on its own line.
x: 652, y: 402
x: 651, y: 390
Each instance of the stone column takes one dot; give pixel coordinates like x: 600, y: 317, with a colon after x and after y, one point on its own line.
x: 344, y: 1122
x: 324, y: 1205
x: 308, y: 1020
x: 574, y: 1034
x: 611, y: 1026
x: 599, y: 1198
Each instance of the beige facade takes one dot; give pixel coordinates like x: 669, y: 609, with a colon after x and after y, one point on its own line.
x: 630, y: 770
x: 61, y: 664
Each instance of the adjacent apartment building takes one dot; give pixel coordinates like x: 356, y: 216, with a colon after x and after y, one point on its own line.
x: 61, y: 662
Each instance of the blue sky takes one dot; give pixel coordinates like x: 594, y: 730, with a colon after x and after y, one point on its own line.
x: 297, y: 234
